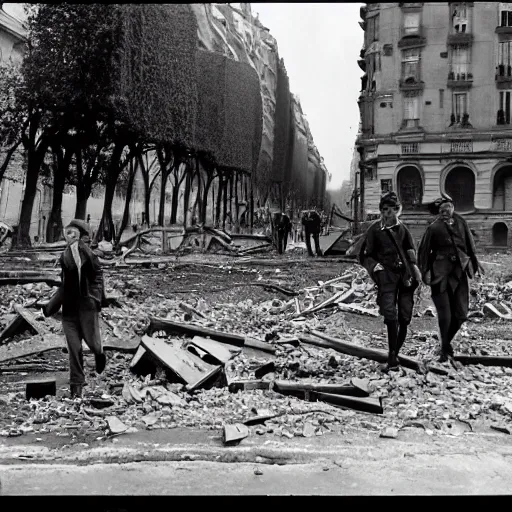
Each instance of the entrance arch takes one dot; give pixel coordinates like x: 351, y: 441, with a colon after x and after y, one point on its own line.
x: 460, y: 186
x: 502, y: 189
x: 410, y: 187
x: 500, y: 234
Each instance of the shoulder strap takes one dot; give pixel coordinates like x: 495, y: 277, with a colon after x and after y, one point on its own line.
x: 400, y: 250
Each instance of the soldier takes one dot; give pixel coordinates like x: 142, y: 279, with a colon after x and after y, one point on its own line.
x: 81, y: 295
x: 389, y: 256
x: 447, y: 256
x: 312, y: 223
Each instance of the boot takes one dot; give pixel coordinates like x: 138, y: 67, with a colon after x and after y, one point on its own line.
x: 76, y: 390
x: 402, y: 334
x: 392, y: 346
x: 101, y: 361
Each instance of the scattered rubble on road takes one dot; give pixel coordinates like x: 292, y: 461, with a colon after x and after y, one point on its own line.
x: 274, y: 363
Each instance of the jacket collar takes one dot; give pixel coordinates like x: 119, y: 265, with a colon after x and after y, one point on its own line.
x: 383, y: 226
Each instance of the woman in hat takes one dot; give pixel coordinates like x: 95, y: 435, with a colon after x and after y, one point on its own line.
x: 80, y: 296
x: 389, y: 256
x: 447, y: 257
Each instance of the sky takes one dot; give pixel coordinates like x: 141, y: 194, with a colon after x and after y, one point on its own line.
x: 320, y: 45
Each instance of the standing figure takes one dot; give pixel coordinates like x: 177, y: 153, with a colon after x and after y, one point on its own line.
x: 281, y: 228
x: 80, y: 295
x: 312, y: 223
x: 447, y: 256
x: 389, y: 256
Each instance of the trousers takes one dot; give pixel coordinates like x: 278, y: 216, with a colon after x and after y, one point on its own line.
x: 452, y: 309
x: 395, y: 300
x: 84, y: 325
x: 316, y: 238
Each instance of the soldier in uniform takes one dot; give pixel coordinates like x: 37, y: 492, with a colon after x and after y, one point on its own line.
x: 447, y: 257
x: 312, y: 223
x: 389, y: 256
x: 81, y: 295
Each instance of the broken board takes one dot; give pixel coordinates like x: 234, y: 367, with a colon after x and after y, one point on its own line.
x: 35, y: 345
x: 218, y: 351
x: 24, y: 320
x: 233, y: 434
x: 192, y: 369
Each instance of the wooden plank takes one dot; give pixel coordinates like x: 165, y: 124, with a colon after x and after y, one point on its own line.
x: 354, y: 308
x: 30, y: 318
x: 162, y: 324
x: 35, y: 345
x: 16, y: 325
x: 247, y: 385
x: 300, y: 388
x: 192, y: 369
x: 373, y: 405
x: 260, y: 345
x: 503, y: 361
x: 218, y: 351
x: 129, y: 345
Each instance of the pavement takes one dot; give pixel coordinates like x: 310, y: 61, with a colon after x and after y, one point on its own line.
x: 186, y: 461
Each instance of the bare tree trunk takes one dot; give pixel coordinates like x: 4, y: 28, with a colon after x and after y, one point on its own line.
x: 128, y: 198
x: 186, y: 196
x: 225, y: 202
x: 219, y: 198
x: 164, y: 161
x: 60, y: 171
x: 236, y: 217
x: 208, y: 183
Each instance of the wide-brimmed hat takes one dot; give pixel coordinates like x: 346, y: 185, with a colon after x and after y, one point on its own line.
x: 81, y: 225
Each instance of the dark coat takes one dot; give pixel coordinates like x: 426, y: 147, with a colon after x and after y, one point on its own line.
x: 89, y: 295
x: 437, y: 254
x: 311, y: 221
x: 379, y: 248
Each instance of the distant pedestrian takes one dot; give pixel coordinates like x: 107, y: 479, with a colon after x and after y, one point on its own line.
x: 447, y: 257
x: 389, y: 256
x: 80, y: 295
x: 281, y: 228
x: 312, y: 223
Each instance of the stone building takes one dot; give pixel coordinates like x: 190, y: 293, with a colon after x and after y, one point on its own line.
x: 436, y: 112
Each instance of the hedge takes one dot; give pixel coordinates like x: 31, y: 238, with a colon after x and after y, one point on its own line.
x: 243, y: 117
x: 211, y: 84
x: 157, y: 69
x: 281, y: 124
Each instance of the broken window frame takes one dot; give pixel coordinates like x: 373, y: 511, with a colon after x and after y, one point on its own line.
x: 505, y: 15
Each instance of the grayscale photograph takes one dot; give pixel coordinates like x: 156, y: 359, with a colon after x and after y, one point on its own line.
x: 255, y: 249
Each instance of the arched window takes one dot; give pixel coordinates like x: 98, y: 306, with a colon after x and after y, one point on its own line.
x: 500, y: 234
x: 410, y: 187
x: 502, y: 189
x: 460, y: 186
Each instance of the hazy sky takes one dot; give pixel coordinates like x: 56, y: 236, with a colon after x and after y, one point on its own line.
x: 320, y: 45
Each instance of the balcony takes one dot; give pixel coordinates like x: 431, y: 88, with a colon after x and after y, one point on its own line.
x: 411, y: 83
x: 411, y: 5
x: 458, y: 121
x: 460, y: 80
x: 460, y: 38
x: 412, y: 38
x: 503, y: 76
x: 503, y: 30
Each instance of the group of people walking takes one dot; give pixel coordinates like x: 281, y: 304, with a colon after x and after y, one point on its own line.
x: 445, y: 260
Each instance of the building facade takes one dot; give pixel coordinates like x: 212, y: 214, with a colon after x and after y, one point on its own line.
x: 435, y: 109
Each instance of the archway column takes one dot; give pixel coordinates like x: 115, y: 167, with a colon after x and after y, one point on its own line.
x: 483, y: 184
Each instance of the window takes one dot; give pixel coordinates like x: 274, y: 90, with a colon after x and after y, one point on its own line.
x: 460, y: 61
x: 411, y: 65
x: 504, y: 108
x: 372, y: 29
x: 386, y: 186
x: 460, y: 18
x: 441, y: 98
x: 460, y: 105
x: 504, y: 64
x: 411, y: 23
x: 505, y: 15
x: 411, y: 111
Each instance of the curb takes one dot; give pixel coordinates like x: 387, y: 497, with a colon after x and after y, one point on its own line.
x: 269, y: 453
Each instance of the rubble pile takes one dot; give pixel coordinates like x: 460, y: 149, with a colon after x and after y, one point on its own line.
x: 198, y: 361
